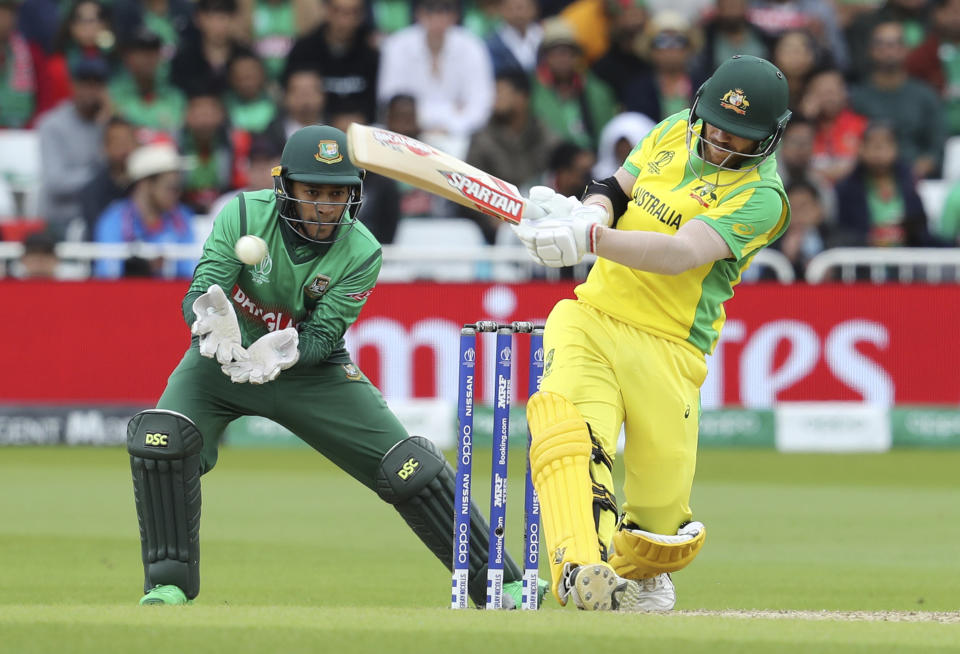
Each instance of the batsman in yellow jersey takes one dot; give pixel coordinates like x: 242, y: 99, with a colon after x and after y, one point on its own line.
x: 673, y: 229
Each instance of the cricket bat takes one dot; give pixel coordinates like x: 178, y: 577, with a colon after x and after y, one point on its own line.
x: 418, y: 164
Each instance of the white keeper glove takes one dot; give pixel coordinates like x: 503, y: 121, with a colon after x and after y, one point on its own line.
x: 558, y: 231
x: 217, y: 326
x: 266, y: 357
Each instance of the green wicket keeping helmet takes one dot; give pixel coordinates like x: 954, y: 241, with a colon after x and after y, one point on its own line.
x: 747, y: 97
x: 317, y: 154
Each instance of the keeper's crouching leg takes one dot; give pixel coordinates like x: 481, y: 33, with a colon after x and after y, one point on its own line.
x: 165, y: 460
x: 416, y: 479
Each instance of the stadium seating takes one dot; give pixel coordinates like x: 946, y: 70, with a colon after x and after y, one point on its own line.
x: 434, y: 236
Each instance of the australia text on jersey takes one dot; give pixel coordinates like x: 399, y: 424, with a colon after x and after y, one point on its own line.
x: 657, y: 208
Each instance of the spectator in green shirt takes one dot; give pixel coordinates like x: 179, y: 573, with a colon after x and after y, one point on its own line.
x: 567, y: 98
x: 248, y: 103
x: 140, y: 93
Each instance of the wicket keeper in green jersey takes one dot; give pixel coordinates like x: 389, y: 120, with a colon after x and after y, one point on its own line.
x: 673, y: 230
x: 269, y: 342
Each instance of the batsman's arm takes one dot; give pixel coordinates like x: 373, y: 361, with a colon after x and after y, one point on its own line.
x: 339, y: 308
x: 737, y: 227
x: 218, y: 263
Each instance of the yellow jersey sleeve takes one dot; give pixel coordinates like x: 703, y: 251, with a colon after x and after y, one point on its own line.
x: 749, y: 219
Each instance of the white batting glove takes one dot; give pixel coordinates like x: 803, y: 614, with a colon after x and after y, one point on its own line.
x: 266, y: 357
x: 563, y: 242
x: 556, y: 230
x: 217, y: 326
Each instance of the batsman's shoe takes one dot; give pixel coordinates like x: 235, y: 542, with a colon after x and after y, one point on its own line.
x: 513, y: 593
x: 656, y: 594
x: 164, y: 595
x: 596, y: 587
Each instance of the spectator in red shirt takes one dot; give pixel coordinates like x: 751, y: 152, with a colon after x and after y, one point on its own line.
x: 838, y: 128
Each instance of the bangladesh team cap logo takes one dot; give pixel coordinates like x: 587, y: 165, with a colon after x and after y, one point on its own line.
x: 328, y: 152
x: 735, y: 100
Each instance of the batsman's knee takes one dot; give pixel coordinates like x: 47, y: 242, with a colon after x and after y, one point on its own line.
x: 166, y: 464
x: 639, y: 554
x: 557, y: 430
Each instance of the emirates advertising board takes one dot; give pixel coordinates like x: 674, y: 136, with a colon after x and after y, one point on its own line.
x: 105, y: 348
x: 117, y: 342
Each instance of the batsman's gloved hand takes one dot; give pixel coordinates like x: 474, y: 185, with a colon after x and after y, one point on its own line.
x: 217, y: 326
x: 556, y: 230
x: 266, y: 357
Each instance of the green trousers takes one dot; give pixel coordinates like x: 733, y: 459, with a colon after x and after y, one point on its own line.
x: 332, y: 407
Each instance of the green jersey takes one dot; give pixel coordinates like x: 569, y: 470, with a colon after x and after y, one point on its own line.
x: 317, y: 288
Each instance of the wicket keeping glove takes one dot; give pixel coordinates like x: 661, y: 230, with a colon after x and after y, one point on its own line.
x: 217, y: 326
x: 266, y: 357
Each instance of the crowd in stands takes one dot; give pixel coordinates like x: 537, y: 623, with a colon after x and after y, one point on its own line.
x: 151, y: 114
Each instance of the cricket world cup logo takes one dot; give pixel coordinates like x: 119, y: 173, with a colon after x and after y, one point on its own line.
x: 260, y: 273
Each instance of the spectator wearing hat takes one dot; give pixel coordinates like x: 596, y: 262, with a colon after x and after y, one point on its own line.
x: 514, y: 43
x: 671, y: 43
x: 140, y: 91
x: 623, y: 68
x: 445, y: 68
x: 567, y: 97
x: 151, y: 214
x: 70, y: 138
x: 110, y: 182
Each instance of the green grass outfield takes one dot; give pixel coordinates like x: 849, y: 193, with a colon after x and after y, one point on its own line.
x: 840, y: 553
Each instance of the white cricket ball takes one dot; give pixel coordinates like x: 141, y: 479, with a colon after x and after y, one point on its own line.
x: 250, y: 249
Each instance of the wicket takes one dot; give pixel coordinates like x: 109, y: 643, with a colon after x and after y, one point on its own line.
x: 498, y: 482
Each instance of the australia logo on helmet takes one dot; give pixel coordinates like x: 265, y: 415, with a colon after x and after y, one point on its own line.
x: 735, y: 100
x: 663, y: 158
x: 328, y: 152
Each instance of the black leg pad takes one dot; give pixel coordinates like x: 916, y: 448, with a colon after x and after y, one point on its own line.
x: 416, y: 479
x: 164, y: 449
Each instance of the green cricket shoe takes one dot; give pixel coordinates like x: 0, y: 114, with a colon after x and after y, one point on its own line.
x: 513, y: 593
x: 164, y: 595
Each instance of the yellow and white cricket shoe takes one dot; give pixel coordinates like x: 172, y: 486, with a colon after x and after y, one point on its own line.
x: 596, y: 587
